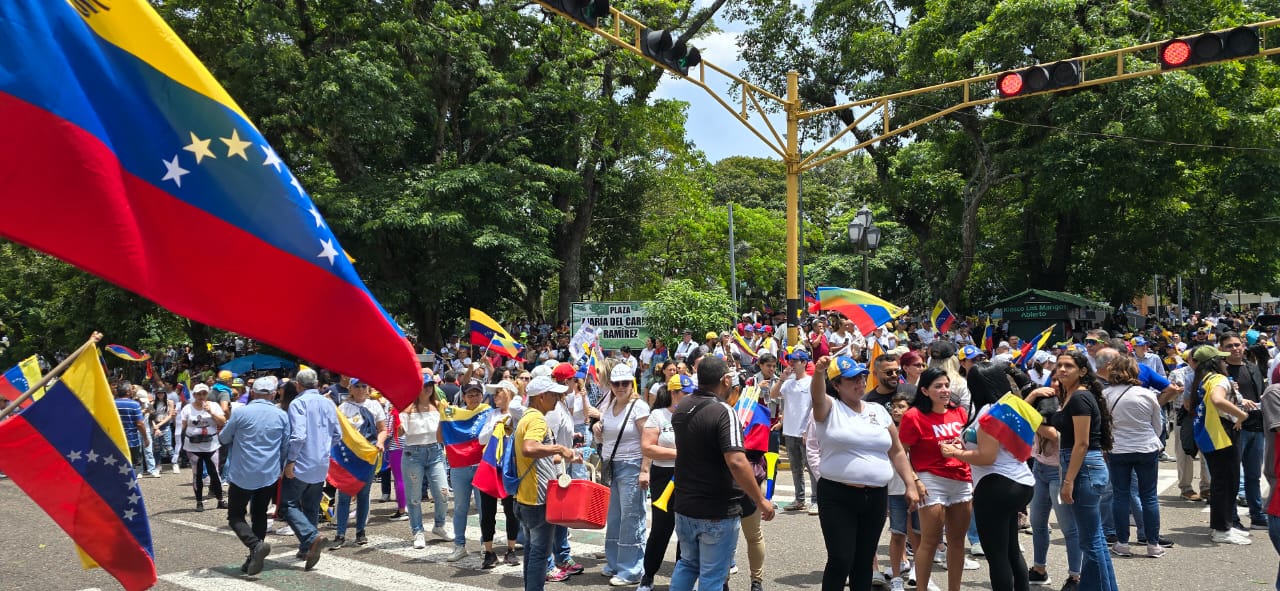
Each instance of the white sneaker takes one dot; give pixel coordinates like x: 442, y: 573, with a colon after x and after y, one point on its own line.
x: 970, y: 564
x: 1229, y: 537
x: 176, y: 469
x: 813, y: 509
x: 976, y: 550
x: 733, y: 569
x: 896, y: 584
x: 1241, y: 532
x: 617, y: 581
x: 933, y: 586
x: 1155, y: 550
x: 419, y: 540
x: 459, y: 552
x: 441, y: 533
x: 284, y: 530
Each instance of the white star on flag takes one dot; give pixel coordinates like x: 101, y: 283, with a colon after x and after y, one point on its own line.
x: 272, y: 159
x: 328, y: 251
x: 93, y: 456
x: 125, y: 468
x: 74, y: 456
x: 110, y: 460
x: 130, y: 514
x: 293, y: 180
x: 316, y: 213
x: 134, y: 498
x: 173, y: 172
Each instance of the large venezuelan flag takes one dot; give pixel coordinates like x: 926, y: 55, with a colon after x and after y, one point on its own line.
x: 486, y: 332
x: 68, y: 452
x: 354, y: 461
x: 488, y: 478
x: 460, y: 428
x: 755, y: 419
x: 1210, y: 434
x: 1013, y: 423
x: 867, y: 312
x: 118, y: 147
x: 19, y: 378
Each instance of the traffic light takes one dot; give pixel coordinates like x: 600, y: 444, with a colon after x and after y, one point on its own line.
x: 1209, y: 47
x: 587, y: 12
x: 658, y: 45
x: 1040, y: 78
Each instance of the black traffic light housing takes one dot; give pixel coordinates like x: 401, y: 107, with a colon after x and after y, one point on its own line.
x: 660, y: 46
x: 1205, y: 48
x: 1039, y: 78
x: 587, y: 12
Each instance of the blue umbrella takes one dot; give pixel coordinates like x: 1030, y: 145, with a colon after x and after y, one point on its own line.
x: 257, y: 361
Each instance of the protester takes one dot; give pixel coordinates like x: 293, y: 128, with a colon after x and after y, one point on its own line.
x: 508, y: 411
x: 622, y: 421
x: 254, y: 438
x: 793, y: 391
x: 135, y: 425
x: 313, y: 431
x: 422, y: 462
x: 1246, y: 378
x: 713, y: 475
x: 1217, y: 426
x: 461, y: 476
x: 538, y: 452
x: 360, y: 411
x: 198, y: 423
x: 659, y: 447
x: 1136, y: 424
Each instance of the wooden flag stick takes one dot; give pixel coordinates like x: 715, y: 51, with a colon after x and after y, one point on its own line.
x: 49, y: 377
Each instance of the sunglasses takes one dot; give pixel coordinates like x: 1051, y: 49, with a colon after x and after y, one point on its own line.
x: 622, y: 384
x: 1091, y: 341
x: 890, y: 372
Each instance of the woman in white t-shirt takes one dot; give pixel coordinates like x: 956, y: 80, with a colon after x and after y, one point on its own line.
x: 198, y: 426
x: 658, y: 443
x: 860, y: 454
x: 1003, y: 483
x: 1135, y: 426
x: 622, y: 420
x: 423, y: 457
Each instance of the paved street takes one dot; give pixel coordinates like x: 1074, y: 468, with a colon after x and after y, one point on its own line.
x: 196, y: 551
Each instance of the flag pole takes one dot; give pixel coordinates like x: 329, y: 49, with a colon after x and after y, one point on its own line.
x: 55, y: 372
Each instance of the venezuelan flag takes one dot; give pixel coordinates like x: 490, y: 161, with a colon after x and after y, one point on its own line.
x: 811, y: 302
x: 488, y: 478
x: 942, y: 317
x: 354, y: 461
x: 987, y: 342
x: 1209, y: 433
x: 754, y: 418
x: 741, y: 345
x: 486, y: 332
x: 873, y: 381
x: 460, y: 428
x: 1033, y: 346
x: 119, y: 146
x: 126, y: 353
x: 19, y: 378
x: 1013, y: 423
x: 867, y: 312
x: 68, y: 452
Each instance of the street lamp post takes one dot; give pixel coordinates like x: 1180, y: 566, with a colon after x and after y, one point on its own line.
x: 865, y: 237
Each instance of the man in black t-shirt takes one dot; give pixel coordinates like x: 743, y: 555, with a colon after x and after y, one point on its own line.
x: 712, y: 476
x: 1247, y: 380
x: 887, y: 371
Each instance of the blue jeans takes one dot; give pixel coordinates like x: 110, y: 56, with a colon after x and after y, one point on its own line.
x: 706, y: 550
x: 416, y: 463
x: 972, y: 534
x: 460, y: 479
x: 1045, y: 496
x: 1108, y: 515
x: 539, y: 536
x: 560, y: 551
x: 301, y: 502
x: 341, y: 514
x: 1123, y: 467
x: 149, y: 455
x: 1252, y: 445
x: 625, y: 533
x: 1093, y: 480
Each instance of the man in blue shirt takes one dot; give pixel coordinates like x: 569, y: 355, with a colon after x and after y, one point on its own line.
x: 313, y: 430
x: 254, y: 439
x: 135, y: 431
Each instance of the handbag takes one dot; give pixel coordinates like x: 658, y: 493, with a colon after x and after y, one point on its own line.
x: 606, y: 468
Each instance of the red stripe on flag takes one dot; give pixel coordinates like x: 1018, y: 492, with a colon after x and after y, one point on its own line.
x: 28, y: 459
x: 70, y: 197
x: 461, y: 455
x: 343, y: 480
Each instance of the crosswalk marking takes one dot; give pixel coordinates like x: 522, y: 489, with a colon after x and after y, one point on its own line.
x: 371, y: 575
x: 204, y: 579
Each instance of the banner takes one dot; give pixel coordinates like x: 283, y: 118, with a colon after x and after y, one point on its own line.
x: 616, y: 323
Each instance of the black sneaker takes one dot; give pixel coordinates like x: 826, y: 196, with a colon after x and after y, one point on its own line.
x: 490, y: 560
x: 1164, y: 542
x: 257, y: 558
x: 361, y: 539
x: 1072, y: 584
x: 338, y: 543
x: 511, y: 559
x: 199, y: 505
x: 244, y: 568
x: 222, y: 504
x: 757, y: 586
x: 1111, y: 539
x: 1037, y: 578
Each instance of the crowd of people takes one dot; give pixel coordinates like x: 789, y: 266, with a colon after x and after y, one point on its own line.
x: 895, y: 435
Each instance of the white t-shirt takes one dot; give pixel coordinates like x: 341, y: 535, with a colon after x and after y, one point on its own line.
x: 855, y: 445
x: 685, y: 349
x: 1005, y: 465
x: 629, y: 444
x: 660, y: 421
x: 926, y: 336
x: 839, y: 343
x: 1135, y: 419
x: 420, y: 427
x: 200, y: 422
x: 796, y: 403
x: 352, y: 412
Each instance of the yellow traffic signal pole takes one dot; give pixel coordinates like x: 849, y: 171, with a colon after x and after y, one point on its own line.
x: 1096, y: 69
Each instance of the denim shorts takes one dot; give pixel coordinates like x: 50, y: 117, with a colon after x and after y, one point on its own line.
x: 898, y: 515
x: 945, y: 491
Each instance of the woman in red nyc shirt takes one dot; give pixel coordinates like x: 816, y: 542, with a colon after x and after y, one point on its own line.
x: 930, y: 421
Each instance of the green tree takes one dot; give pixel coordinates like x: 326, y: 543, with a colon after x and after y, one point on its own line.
x: 680, y: 305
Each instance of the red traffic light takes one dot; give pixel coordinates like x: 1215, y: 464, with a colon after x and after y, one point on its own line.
x: 1010, y: 84
x: 1175, y: 53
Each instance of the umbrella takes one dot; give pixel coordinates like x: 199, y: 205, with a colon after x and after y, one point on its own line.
x: 257, y: 362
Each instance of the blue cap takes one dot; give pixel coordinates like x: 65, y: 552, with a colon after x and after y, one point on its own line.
x: 845, y: 367
x: 1139, y: 341
x: 798, y: 354
x: 971, y: 352
x: 686, y: 384
x: 1251, y: 337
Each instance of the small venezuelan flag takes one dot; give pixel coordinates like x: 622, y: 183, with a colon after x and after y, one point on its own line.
x: 19, y: 378
x: 126, y: 353
x: 942, y: 317
x: 1013, y: 423
x: 486, y: 332
x: 867, y: 312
